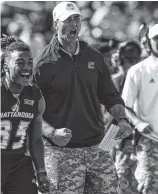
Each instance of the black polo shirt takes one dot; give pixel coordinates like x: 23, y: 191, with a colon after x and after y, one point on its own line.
x: 73, y: 88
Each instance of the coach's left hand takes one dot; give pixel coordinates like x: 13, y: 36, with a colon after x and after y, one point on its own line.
x: 43, y: 183
x: 125, y: 129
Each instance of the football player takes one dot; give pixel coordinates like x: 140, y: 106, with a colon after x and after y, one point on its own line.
x: 22, y: 106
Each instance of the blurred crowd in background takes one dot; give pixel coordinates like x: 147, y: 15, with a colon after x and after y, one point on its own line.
x: 105, y: 24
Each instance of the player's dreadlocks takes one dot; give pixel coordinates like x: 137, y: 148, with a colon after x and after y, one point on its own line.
x: 8, y: 45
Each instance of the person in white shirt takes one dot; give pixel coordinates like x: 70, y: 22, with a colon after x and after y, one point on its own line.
x: 127, y: 55
x: 140, y: 94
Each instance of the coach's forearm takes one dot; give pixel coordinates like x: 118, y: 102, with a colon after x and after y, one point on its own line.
x: 37, y: 154
x: 118, y: 111
x: 47, y: 129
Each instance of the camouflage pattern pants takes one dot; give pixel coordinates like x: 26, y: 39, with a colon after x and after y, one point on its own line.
x: 86, y: 170
x: 125, y: 169
x: 147, y: 166
x: 140, y: 176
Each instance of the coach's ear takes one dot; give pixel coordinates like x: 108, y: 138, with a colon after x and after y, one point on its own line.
x: 55, y: 24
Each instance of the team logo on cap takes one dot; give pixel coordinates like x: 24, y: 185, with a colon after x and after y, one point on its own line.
x: 70, y: 6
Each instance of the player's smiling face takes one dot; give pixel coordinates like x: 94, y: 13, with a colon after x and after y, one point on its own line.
x: 20, y: 67
x: 69, y: 29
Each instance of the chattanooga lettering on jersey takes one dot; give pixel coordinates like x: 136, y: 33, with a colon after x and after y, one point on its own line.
x: 17, y: 114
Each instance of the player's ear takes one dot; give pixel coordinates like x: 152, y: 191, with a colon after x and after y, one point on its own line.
x: 5, y: 67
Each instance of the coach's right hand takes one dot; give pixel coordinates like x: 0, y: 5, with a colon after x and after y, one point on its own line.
x: 62, y: 136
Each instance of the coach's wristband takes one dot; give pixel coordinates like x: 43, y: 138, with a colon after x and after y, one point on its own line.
x: 123, y: 118
x: 41, y: 170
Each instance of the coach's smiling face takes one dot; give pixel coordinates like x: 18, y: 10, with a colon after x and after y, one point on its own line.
x: 70, y: 28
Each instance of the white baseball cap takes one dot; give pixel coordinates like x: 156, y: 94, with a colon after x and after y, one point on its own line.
x: 153, y: 31
x: 65, y: 9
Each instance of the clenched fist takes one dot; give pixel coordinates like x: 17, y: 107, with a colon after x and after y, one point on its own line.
x: 62, y: 136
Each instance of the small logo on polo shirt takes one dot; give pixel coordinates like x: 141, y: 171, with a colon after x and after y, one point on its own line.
x: 91, y: 65
x: 29, y: 102
x: 152, y: 81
